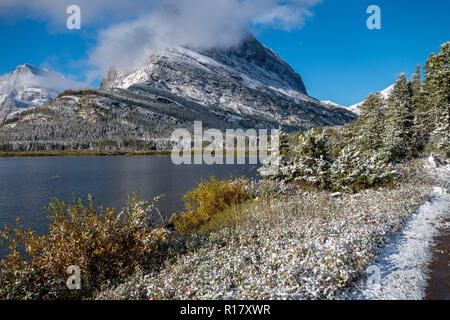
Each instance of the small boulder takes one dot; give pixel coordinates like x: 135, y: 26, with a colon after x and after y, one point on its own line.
x: 434, y: 161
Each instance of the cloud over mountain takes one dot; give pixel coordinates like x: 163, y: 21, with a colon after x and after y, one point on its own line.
x: 132, y: 30
x: 199, y: 24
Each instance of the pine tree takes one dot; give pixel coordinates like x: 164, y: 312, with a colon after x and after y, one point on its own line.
x: 370, y: 123
x: 311, y: 160
x: 309, y: 164
x: 420, y: 114
x: 436, y: 89
x: 285, y: 149
x: 416, y: 90
x: 399, y: 121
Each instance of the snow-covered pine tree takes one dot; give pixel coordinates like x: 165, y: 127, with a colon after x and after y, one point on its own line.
x: 370, y: 124
x: 398, y: 121
x: 436, y: 89
x: 310, y: 163
x: 420, y: 114
x: 307, y: 164
x: 353, y: 172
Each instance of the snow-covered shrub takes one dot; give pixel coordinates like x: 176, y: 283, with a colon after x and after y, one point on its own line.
x: 352, y: 172
x: 313, y: 164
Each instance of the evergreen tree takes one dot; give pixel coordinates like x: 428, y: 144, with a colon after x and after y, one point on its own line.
x: 436, y: 89
x: 420, y: 114
x: 310, y: 164
x: 399, y: 121
x: 352, y: 172
x: 285, y: 149
x: 370, y: 123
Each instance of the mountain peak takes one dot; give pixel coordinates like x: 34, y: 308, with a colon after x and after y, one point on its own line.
x: 27, y: 87
x: 28, y: 68
x: 248, y: 79
x: 255, y: 56
x: 250, y: 60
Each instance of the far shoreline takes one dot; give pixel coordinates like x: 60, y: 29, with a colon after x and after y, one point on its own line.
x: 97, y: 153
x: 79, y: 153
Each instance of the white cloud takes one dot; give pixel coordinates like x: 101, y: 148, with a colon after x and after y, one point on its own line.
x: 195, y: 23
x: 136, y: 28
x: 284, y: 17
x: 93, y: 11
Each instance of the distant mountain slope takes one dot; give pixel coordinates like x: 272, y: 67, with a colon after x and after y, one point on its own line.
x: 28, y: 87
x: 331, y: 104
x: 138, y: 118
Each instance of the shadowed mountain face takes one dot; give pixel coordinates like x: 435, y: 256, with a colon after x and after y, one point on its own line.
x: 248, y: 86
x: 259, y: 62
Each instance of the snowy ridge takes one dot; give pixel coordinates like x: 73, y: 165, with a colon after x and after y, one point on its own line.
x: 332, y: 104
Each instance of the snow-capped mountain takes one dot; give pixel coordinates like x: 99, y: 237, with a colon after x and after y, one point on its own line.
x: 385, y: 93
x: 250, y: 80
x: 247, y: 87
x: 28, y: 87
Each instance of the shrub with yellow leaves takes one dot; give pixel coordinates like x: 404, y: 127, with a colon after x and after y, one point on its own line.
x: 105, y: 244
x: 210, y: 198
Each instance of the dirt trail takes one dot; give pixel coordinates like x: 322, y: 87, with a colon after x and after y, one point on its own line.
x: 439, y: 283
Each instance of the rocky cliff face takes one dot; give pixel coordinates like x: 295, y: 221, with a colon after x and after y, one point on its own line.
x: 250, y: 80
x: 27, y: 87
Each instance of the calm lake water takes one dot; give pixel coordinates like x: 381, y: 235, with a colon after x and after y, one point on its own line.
x: 26, y: 186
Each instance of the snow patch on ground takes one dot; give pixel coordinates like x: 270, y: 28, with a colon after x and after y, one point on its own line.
x: 404, y: 263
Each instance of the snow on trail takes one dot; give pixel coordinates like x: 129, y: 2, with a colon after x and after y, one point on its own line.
x: 402, y: 267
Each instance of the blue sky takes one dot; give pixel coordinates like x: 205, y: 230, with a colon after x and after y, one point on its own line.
x: 339, y: 58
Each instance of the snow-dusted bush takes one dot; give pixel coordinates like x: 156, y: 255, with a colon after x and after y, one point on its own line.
x: 352, y: 172
x: 311, y: 165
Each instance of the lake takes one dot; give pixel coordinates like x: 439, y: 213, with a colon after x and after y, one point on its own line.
x: 27, y: 187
